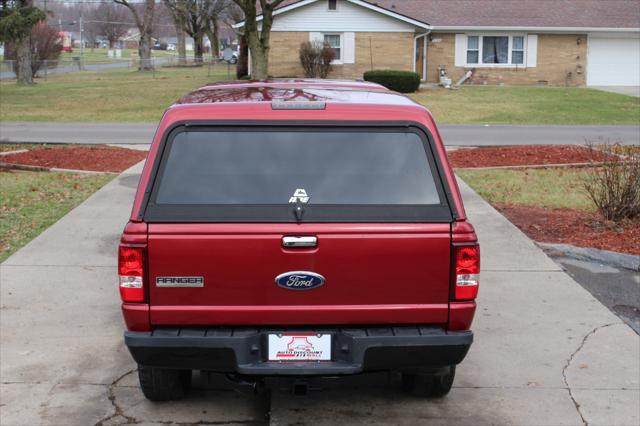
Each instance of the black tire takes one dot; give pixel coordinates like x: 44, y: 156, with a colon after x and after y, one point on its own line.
x: 429, y: 385
x: 161, y: 384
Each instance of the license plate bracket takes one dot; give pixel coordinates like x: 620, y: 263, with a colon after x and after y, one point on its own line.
x: 299, y: 347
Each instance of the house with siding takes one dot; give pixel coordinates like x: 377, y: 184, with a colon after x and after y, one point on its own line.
x: 527, y: 42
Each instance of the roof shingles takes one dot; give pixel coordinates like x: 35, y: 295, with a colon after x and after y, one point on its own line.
x: 517, y: 13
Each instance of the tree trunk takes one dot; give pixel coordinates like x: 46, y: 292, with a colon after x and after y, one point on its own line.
x: 144, y: 52
x: 24, y: 72
x: 258, y: 41
x: 259, y: 58
x: 242, y: 69
x: 145, y: 26
x: 181, y: 46
x: 198, y: 47
x: 215, y: 40
x: 259, y: 65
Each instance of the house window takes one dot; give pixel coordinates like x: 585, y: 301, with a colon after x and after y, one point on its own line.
x: 517, y: 50
x: 473, y: 50
x: 335, y: 41
x: 333, y: 5
x: 495, y: 50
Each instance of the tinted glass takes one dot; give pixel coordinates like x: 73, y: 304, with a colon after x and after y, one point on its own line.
x: 269, y: 167
x: 472, y: 42
x: 518, y: 43
x: 332, y: 40
x: 517, y: 57
x: 495, y: 50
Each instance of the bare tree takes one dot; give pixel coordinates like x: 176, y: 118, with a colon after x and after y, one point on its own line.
x: 196, y: 24
x: 258, y: 38
x: 110, y: 21
x: 216, y: 15
x: 178, y: 11
x: 144, y: 21
x: 232, y: 16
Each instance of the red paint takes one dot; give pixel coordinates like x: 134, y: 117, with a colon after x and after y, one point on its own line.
x: 461, y: 315
x: 372, y: 264
x: 376, y: 273
x: 136, y: 316
x: 193, y: 315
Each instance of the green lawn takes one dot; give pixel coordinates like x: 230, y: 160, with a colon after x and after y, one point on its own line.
x: 529, y: 105
x: 547, y: 188
x: 32, y: 201
x: 131, y: 96
x: 105, y: 96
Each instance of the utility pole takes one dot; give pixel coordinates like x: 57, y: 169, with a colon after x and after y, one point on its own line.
x: 81, y: 39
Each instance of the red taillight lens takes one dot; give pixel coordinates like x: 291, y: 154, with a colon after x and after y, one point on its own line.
x: 467, y: 272
x: 131, y: 272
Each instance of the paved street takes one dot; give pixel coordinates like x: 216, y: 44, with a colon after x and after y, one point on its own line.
x: 454, y: 135
x: 88, y: 66
x: 546, y: 352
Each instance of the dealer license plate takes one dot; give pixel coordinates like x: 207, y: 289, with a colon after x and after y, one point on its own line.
x: 299, y: 347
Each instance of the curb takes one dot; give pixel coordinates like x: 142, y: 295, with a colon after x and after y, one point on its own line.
x: 537, y: 166
x: 18, y: 151
x: 30, y: 168
x: 612, y: 258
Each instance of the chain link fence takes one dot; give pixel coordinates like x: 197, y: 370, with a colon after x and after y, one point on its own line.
x: 46, y: 69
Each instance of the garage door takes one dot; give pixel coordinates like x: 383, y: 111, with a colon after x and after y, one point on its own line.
x: 613, y: 61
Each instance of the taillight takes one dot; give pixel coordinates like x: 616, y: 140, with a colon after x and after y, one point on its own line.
x: 467, y: 271
x: 131, y: 272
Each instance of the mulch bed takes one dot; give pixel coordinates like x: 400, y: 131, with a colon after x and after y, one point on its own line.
x: 575, y: 227
x: 524, y: 155
x: 99, y: 158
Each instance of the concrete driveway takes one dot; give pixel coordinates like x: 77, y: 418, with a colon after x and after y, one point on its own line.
x: 623, y: 90
x: 546, y: 352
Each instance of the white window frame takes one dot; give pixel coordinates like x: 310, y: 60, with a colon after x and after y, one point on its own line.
x: 509, y: 63
x: 523, y: 50
x: 338, y: 60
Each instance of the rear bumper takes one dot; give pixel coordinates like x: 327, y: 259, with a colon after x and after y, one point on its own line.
x: 244, y: 350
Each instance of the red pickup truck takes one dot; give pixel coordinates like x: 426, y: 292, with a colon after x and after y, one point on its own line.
x: 297, y: 228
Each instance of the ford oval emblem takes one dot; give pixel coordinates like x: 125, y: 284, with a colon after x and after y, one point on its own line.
x: 299, y: 280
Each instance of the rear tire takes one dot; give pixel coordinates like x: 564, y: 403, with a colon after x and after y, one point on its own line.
x: 429, y: 385
x: 162, y: 384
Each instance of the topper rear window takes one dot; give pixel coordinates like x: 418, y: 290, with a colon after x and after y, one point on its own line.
x: 330, y: 174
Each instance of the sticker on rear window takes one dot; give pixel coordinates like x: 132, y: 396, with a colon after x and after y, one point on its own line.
x: 299, y: 196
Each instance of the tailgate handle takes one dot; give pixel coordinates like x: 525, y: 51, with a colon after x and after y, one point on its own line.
x: 299, y: 241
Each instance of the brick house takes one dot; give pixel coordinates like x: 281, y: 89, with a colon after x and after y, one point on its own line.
x: 528, y: 42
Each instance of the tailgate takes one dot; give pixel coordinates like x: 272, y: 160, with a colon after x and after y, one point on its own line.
x: 375, y: 273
